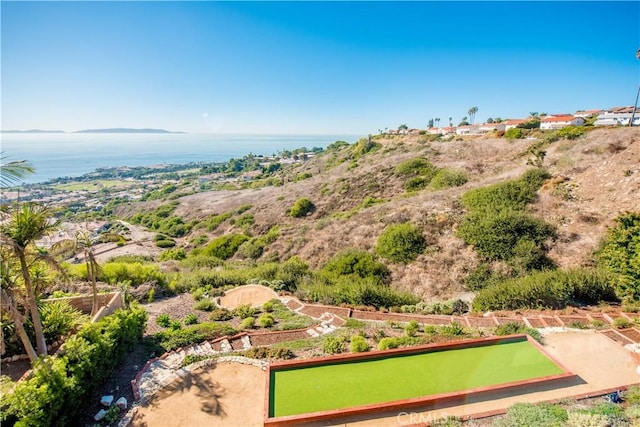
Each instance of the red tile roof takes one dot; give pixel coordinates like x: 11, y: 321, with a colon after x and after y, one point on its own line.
x: 558, y: 119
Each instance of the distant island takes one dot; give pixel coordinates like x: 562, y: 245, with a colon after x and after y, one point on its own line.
x: 33, y: 131
x: 111, y: 130
x: 125, y: 130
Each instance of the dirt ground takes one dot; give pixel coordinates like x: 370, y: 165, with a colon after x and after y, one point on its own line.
x: 233, y: 395
x: 227, y: 394
x: 256, y: 295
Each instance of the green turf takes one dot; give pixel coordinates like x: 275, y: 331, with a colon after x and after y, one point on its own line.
x: 345, y: 385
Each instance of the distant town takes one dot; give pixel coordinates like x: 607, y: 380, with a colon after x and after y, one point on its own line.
x: 617, y: 116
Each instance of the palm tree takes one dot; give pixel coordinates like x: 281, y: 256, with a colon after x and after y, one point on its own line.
x: 11, y: 301
x: 12, y: 172
x: 84, y: 242
x: 437, y: 122
x: 450, y: 121
x: 24, y: 224
x: 472, y: 114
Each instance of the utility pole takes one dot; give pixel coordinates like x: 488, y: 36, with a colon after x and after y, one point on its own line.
x: 635, y: 105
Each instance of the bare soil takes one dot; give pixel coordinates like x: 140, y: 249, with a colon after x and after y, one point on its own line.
x: 254, y: 295
x: 227, y: 394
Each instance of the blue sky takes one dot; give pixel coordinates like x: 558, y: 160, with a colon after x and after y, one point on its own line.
x: 309, y: 67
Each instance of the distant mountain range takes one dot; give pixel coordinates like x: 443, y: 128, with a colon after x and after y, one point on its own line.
x: 111, y: 130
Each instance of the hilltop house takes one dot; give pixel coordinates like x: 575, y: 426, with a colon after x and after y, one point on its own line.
x: 559, y: 122
x: 510, y: 124
x: 618, y: 116
x: 585, y: 114
x: 490, y: 127
x: 442, y: 130
x: 468, y: 130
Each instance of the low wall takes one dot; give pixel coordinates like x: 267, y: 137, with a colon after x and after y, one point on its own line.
x: 108, y: 304
x: 84, y: 303
x: 515, y: 386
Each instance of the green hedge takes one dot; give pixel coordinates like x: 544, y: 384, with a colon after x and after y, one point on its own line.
x: 58, y: 390
x: 548, y: 289
x: 401, y: 243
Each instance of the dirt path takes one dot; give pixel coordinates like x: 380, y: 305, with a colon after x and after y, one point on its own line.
x: 255, y: 295
x: 227, y: 394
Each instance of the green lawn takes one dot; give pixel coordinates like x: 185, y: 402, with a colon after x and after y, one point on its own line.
x: 345, y: 385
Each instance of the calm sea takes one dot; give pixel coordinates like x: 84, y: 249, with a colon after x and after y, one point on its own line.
x: 62, y: 155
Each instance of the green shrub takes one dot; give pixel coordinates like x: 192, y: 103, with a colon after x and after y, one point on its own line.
x: 135, y: 273
x: 411, y: 328
x: 620, y: 255
x: 514, y: 133
x: 190, y: 319
x: 446, y: 178
x: 622, y: 323
x: 165, y: 243
x: 452, y: 330
x: 221, y: 315
x: 59, y: 318
x: 495, y: 237
x: 353, y: 262
x: 245, y: 311
x: 539, y: 415
x: 418, y: 166
x: 416, y: 183
x: 358, y: 344
x: 268, y: 306
x: 205, y: 304
x: 483, y: 276
x: 269, y: 353
x: 175, y: 325
x: 513, y: 328
x: 266, y: 320
x: 247, y: 323
x: 163, y: 320
x: 548, y: 289
x: 362, y: 292
x: 301, y: 208
x: 333, y: 344
x: 173, y: 254
x: 302, y: 176
x: 401, y: 243
x: 193, y: 334
x: 201, y: 261
x: 571, y: 132
x: 226, y: 246
x: 389, y: 343
x: 59, y: 388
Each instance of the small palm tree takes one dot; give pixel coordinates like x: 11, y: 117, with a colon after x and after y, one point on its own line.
x: 85, y: 243
x: 23, y: 225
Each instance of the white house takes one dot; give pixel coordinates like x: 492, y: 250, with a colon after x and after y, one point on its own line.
x: 585, y: 114
x: 468, y: 130
x: 559, y: 122
x: 618, y: 116
x: 490, y: 127
x: 510, y: 124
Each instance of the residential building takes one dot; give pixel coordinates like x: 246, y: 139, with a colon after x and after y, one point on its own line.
x: 585, y: 114
x: 510, y: 124
x: 490, y: 127
x: 559, y: 122
x: 468, y: 130
x: 617, y: 116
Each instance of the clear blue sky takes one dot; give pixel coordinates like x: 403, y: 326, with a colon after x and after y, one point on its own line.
x: 309, y: 67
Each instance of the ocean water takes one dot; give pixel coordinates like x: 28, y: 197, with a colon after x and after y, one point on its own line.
x: 72, y: 155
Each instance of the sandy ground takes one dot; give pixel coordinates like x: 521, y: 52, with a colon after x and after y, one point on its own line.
x: 237, y: 391
x: 227, y: 394
x: 256, y: 295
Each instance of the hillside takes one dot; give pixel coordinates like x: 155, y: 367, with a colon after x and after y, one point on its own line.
x: 594, y: 178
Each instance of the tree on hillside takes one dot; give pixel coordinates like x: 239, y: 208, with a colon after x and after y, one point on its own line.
x: 430, y: 124
x: 450, y: 121
x: 472, y: 114
x: 12, y: 172
x: 489, y: 120
x: 437, y: 122
x: 464, y: 121
x: 620, y: 254
x: 85, y: 243
x: 23, y: 225
x: 403, y: 127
